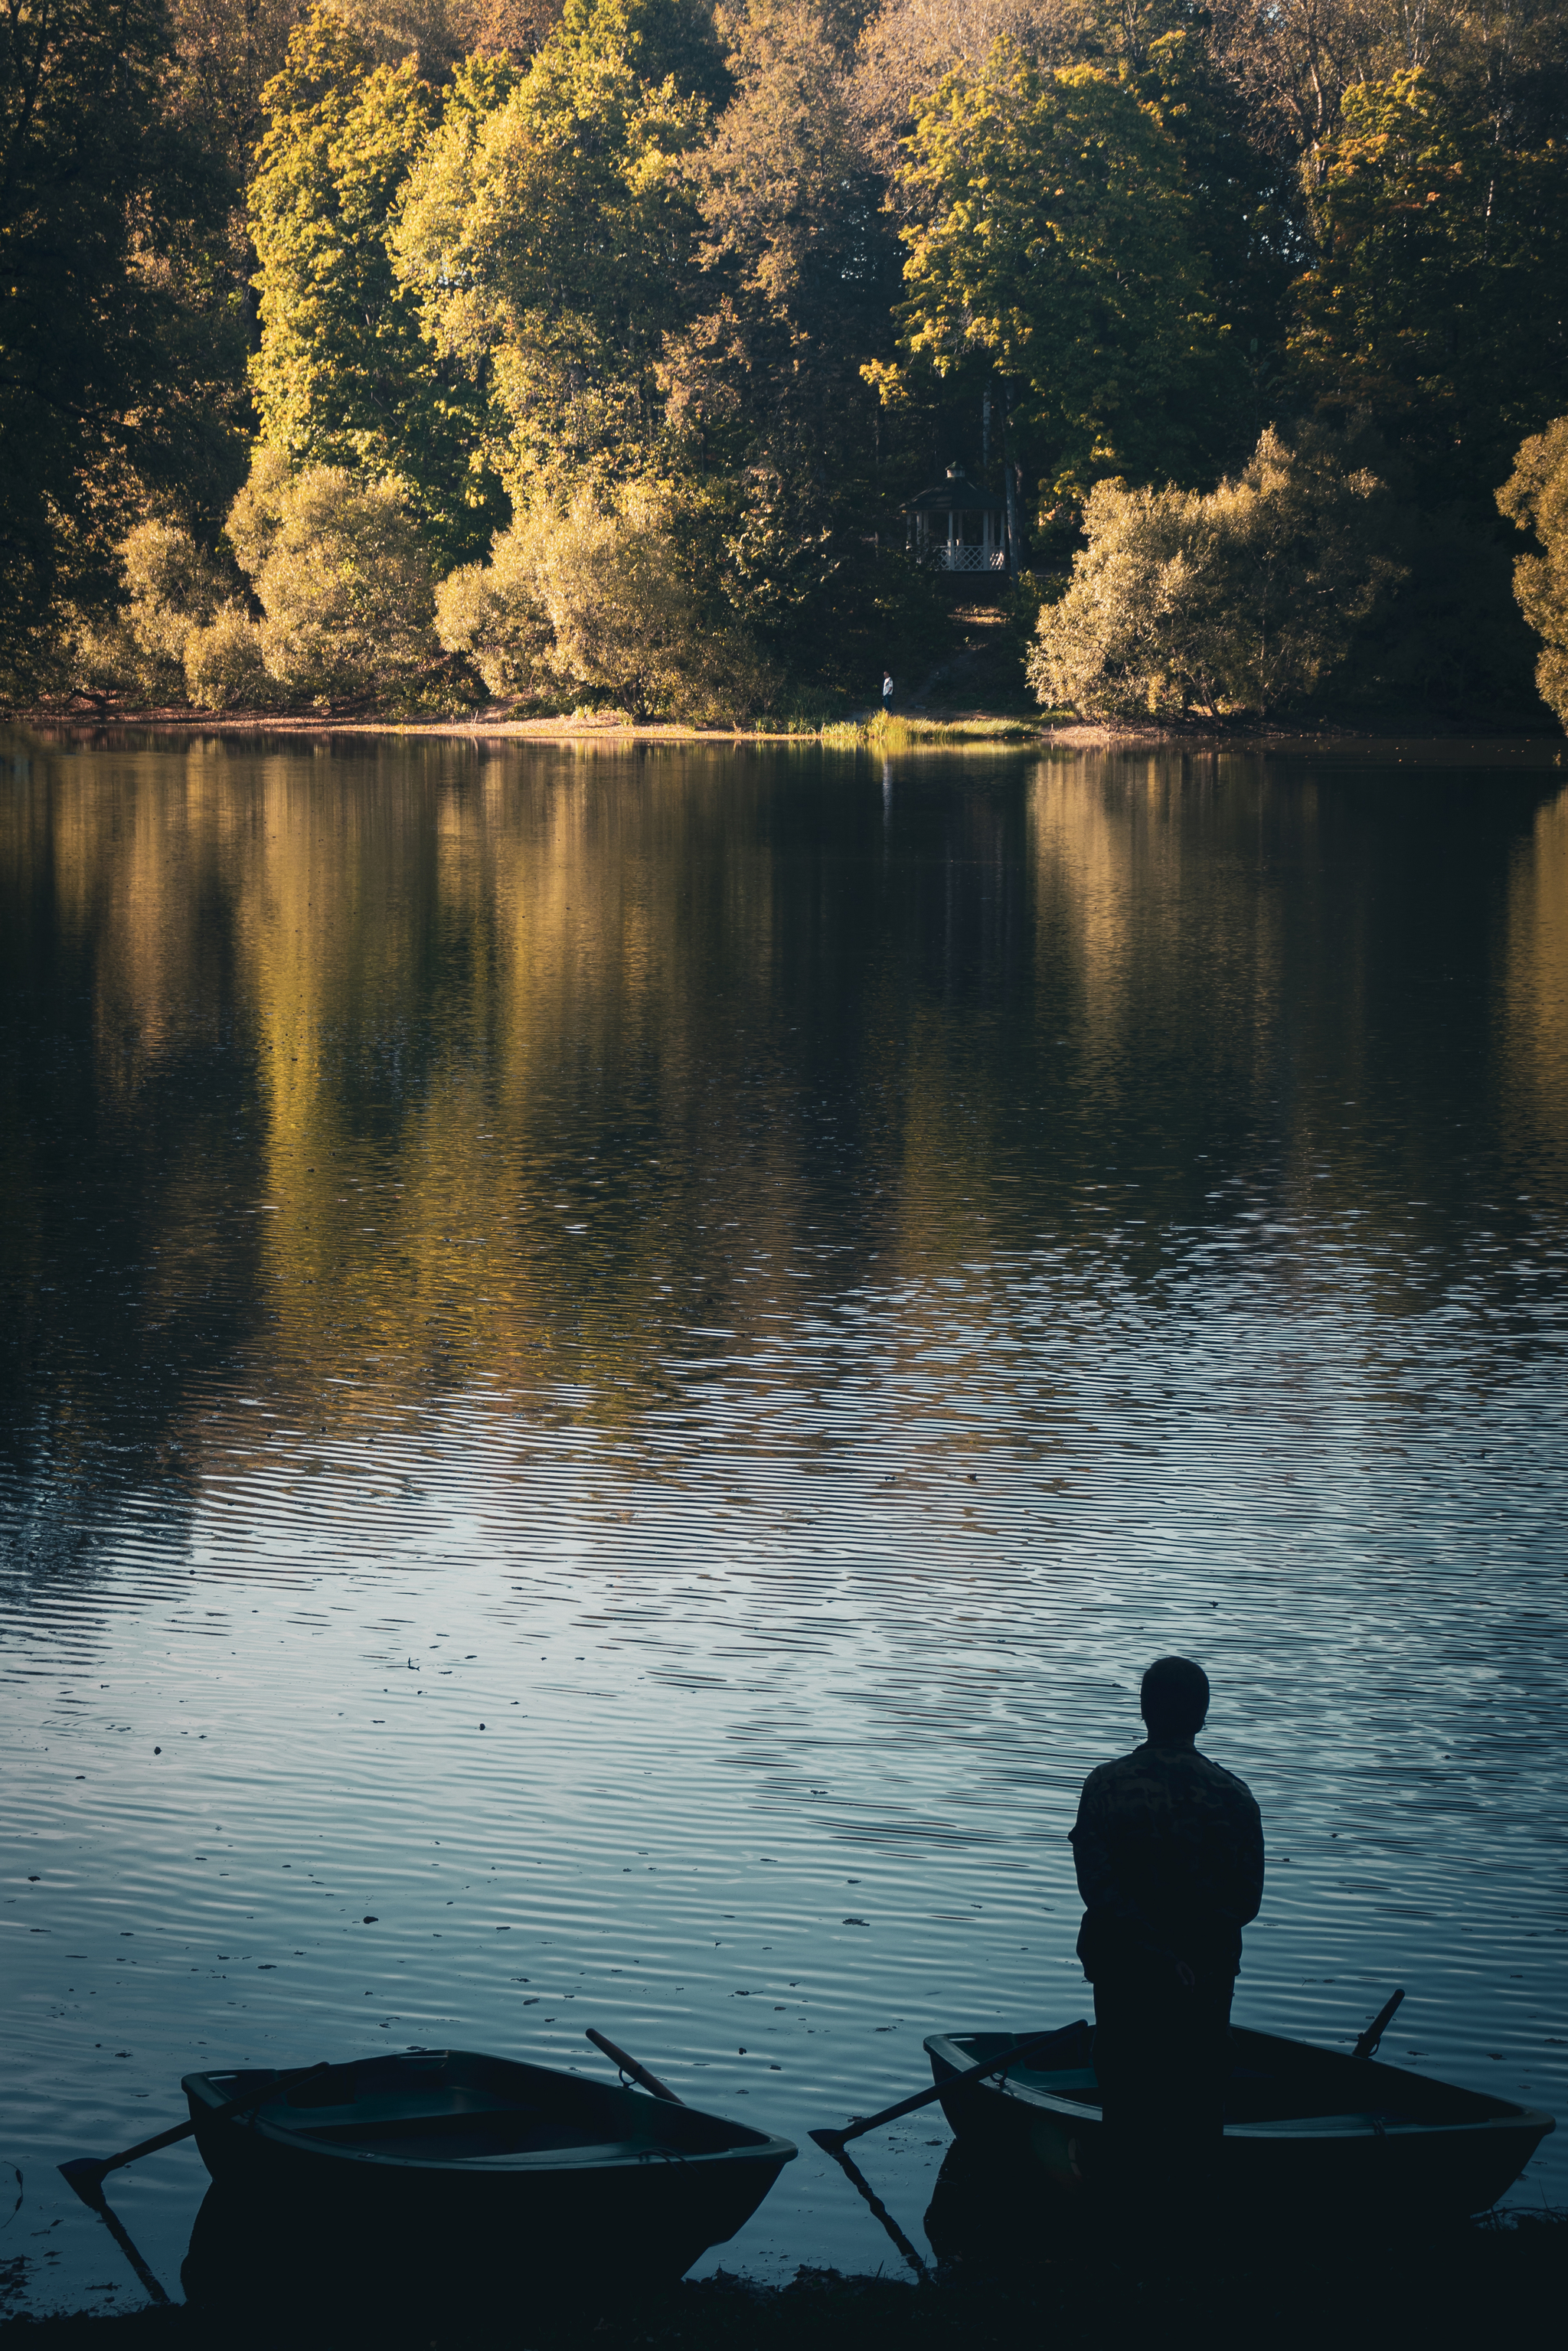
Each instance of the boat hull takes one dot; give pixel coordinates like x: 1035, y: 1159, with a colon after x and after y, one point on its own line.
x: 1304, y: 2126
x: 490, y: 2155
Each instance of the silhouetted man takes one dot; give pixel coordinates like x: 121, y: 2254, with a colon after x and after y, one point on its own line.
x: 1169, y: 1853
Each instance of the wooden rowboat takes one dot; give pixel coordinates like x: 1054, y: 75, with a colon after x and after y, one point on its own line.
x: 1302, y: 2125
x: 555, y: 2167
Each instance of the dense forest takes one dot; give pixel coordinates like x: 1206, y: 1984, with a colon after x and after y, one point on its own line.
x: 434, y: 352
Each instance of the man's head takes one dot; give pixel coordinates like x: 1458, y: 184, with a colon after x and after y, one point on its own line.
x: 1174, y: 1699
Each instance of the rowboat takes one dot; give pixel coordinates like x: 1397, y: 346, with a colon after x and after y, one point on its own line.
x: 488, y: 2151
x: 1302, y: 2125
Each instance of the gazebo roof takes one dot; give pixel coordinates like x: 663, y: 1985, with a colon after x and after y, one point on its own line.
x: 957, y: 495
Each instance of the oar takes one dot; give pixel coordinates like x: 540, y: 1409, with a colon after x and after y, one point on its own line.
x: 87, y: 2173
x: 1367, y: 2045
x: 629, y: 2066
x: 862, y: 2187
x: 93, y: 2197
x: 835, y: 2141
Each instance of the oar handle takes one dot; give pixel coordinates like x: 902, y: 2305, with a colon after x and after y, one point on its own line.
x: 639, y: 2073
x: 835, y: 2140
x: 1367, y: 2045
x: 90, y: 2168
x: 84, y: 2171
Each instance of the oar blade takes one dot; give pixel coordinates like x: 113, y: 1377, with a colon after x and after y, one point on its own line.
x: 84, y: 2174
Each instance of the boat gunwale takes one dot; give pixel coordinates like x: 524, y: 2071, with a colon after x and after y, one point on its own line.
x: 1512, y: 2118
x: 256, y: 2125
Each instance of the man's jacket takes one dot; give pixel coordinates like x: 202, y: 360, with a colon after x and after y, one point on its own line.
x: 1169, y: 1853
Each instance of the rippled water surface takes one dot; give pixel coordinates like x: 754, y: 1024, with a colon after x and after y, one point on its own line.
x: 785, y: 1281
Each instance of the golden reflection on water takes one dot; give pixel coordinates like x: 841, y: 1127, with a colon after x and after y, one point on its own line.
x: 1537, y: 996
x: 538, y: 1067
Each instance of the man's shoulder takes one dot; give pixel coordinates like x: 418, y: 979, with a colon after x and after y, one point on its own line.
x: 1225, y: 1787
x: 1120, y: 1778
x: 1168, y: 1769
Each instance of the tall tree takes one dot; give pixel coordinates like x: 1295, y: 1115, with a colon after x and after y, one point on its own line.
x: 345, y: 375
x: 120, y: 351
x: 1054, y: 236
x: 1535, y: 496
x: 765, y: 386
x: 226, y: 52
x: 1439, y: 303
x: 547, y: 242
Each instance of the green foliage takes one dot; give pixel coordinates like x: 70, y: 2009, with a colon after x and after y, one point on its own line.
x: 1244, y: 227
x: 173, y: 587
x: 339, y: 568
x: 119, y: 336
x: 634, y: 271
x: 548, y: 241
x: 588, y: 598
x: 344, y: 375
x: 224, y: 663
x: 493, y: 615
x: 1055, y: 236
x: 766, y: 400
x: 1535, y: 496
x: 1245, y: 600
x: 1439, y: 303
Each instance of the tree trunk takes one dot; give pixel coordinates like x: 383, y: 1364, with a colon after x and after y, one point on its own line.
x: 1009, y: 478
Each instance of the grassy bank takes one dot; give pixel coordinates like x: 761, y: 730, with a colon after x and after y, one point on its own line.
x: 865, y: 730
x: 933, y: 728
x: 888, y: 735
x: 1463, y: 2285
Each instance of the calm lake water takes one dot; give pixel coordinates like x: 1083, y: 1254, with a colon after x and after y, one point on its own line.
x: 873, y: 1253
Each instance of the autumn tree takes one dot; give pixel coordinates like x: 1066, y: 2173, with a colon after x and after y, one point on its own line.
x: 1437, y: 311
x: 1246, y: 598
x: 345, y: 375
x: 340, y: 570
x: 765, y: 394
x: 120, y: 353
x: 174, y: 586
x: 1054, y: 237
x: 1294, y: 62
x: 591, y: 597
x: 1439, y: 303
x: 225, y: 53
x: 547, y: 244
x: 1535, y: 496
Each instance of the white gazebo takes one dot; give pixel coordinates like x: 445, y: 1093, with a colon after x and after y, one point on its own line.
x: 957, y: 526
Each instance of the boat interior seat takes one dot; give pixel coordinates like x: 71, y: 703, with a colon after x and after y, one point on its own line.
x: 468, y: 2124
x: 1369, y: 2125
x: 456, y: 2100
x: 474, y: 2137
x: 1250, y: 2097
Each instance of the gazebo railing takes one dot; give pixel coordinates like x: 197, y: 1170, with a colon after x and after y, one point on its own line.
x: 954, y: 557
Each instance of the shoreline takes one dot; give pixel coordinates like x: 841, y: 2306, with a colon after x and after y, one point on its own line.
x: 1358, y: 2278
x: 919, y: 729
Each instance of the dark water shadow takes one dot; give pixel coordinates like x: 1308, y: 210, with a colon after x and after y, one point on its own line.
x: 993, y: 2219
x: 334, y: 2272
